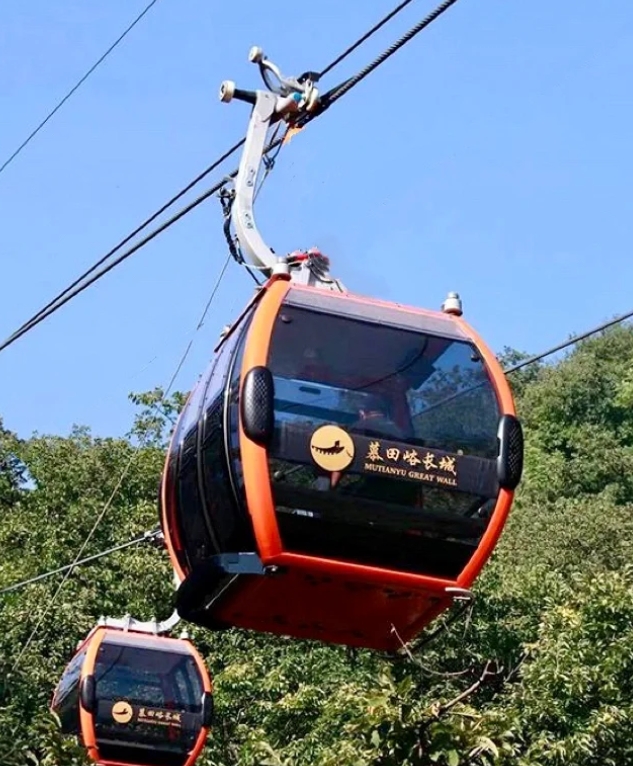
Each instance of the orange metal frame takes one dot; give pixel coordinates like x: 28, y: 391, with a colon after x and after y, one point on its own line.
x: 257, y: 476
x: 424, y: 597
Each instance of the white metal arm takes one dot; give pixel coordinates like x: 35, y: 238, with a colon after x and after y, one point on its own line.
x: 286, y: 99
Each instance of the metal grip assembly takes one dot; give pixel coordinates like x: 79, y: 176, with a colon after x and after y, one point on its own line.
x: 296, y: 94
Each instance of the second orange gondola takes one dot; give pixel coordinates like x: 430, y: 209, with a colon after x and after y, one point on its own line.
x: 135, y: 699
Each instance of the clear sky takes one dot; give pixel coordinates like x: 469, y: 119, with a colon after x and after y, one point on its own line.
x: 492, y: 156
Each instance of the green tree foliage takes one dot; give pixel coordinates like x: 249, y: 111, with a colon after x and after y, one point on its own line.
x: 540, y: 673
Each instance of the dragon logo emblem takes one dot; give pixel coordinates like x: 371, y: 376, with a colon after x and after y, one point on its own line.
x: 332, y: 448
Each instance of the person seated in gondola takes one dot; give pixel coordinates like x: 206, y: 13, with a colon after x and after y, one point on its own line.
x: 377, y: 423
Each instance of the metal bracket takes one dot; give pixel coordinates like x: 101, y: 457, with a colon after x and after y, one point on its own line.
x: 128, y: 623
x: 287, y: 99
x: 460, y: 594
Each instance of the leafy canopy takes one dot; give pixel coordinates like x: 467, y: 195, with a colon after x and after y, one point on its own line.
x: 540, y: 674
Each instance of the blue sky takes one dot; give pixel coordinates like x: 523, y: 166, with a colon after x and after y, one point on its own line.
x: 492, y: 155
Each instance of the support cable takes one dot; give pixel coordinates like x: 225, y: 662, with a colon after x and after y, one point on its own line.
x: 148, y: 537
x: 128, y: 466
x: 336, y: 93
x: 328, y: 99
x: 570, y: 342
x: 59, y: 299
x: 364, y: 38
x: 77, y: 86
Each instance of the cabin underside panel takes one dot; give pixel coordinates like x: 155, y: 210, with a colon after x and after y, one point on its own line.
x: 316, y: 606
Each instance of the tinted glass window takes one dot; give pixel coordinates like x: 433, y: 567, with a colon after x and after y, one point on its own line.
x: 220, y: 371
x: 147, y: 676
x: 196, y: 510
x: 237, y: 475
x: 193, y: 407
x: 66, y: 697
x: 149, y: 704
x: 391, y: 385
x: 194, y: 531
x: 70, y: 677
x: 435, y: 391
x: 220, y: 466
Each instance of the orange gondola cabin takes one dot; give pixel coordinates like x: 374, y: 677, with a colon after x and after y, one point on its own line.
x: 345, y: 466
x: 135, y: 699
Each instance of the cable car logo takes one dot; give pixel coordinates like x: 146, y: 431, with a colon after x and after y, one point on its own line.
x: 332, y: 448
x: 122, y: 712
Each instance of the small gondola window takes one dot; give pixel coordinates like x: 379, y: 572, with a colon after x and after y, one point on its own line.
x: 203, y: 476
x: 66, y: 698
x: 222, y: 493
x: 232, y: 420
x: 199, y: 542
x: 415, y: 390
x: 163, y: 692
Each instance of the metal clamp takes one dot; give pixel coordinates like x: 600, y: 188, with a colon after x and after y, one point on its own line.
x: 295, y: 95
x: 305, y: 85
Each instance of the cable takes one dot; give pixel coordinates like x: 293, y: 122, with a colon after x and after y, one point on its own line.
x: 206, y: 172
x: 83, y: 547
x: 572, y: 341
x: 202, y: 318
x: 365, y: 37
x: 110, y: 253
x: 214, y: 165
x: 69, y: 295
x: 78, y: 85
x: 331, y: 97
x: 147, y: 537
x: 336, y: 93
x: 114, y: 492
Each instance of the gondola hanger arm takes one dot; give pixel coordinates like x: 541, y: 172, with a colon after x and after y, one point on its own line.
x: 150, y: 627
x: 288, y: 99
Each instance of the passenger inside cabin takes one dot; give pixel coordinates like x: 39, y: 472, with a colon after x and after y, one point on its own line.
x: 376, y: 423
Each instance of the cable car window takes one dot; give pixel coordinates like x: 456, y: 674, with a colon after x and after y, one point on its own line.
x: 220, y: 371
x: 71, y: 676
x: 193, y: 407
x: 194, y: 530
x: 223, y: 486
x: 390, y: 383
x: 455, y: 406
x: 66, y: 699
x: 145, y: 677
x: 159, y: 693
x: 201, y: 461
x: 186, y: 443
x: 233, y: 395
x: 332, y: 369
